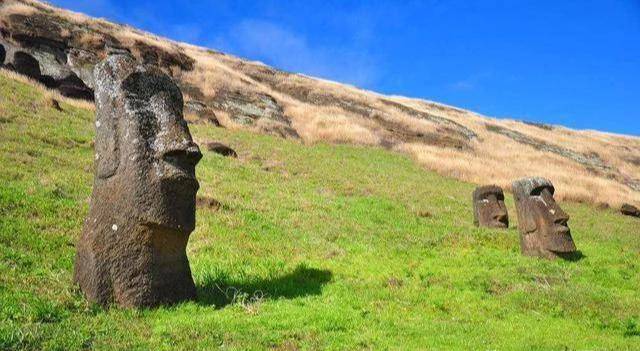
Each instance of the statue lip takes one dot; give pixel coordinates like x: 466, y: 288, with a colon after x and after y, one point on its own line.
x: 500, y: 224
x: 561, y: 229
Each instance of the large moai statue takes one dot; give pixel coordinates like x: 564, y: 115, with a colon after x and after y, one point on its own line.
x: 489, y: 209
x: 132, y: 248
x: 542, y: 223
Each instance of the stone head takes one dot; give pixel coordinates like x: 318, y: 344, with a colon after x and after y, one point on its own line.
x: 143, y: 146
x: 542, y: 223
x: 489, y: 209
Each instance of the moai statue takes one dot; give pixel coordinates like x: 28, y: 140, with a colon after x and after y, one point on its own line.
x: 542, y: 223
x: 132, y: 248
x: 488, y: 207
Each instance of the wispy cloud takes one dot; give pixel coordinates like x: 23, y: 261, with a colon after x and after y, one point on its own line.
x: 462, y: 85
x: 275, y: 45
x: 98, y: 8
x: 470, y: 83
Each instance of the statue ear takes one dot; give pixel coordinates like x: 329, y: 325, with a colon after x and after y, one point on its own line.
x: 527, y: 220
x: 106, y: 145
x: 106, y: 75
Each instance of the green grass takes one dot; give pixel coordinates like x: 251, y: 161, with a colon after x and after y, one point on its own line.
x: 315, y: 247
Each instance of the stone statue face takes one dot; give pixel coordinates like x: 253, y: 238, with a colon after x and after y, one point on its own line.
x: 145, y: 145
x: 489, y: 208
x: 541, y: 221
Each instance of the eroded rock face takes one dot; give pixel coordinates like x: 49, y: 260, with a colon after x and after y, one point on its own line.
x: 543, y: 225
x: 247, y: 107
x: 132, y: 248
x: 202, y: 111
x: 489, y: 209
x: 72, y: 86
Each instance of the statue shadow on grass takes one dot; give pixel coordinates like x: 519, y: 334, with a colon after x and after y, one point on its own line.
x: 303, y: 281
x: 572, y: 256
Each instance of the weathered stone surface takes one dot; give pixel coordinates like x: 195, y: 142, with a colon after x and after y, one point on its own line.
x: 26, y: 64
x: 82, y: 62
x: 395, y: 132
x: 221, y: 149
x: 132, y: 248
x: 72, y: 86
x: 489, y: 209
x: 450, y: 124
x: 202, y: 111
x: 630, y: 210
x: 247, y: 107
x: 543, y: 227
x: 275, y: 128
x: 154, y: 55
x: 255, y: 109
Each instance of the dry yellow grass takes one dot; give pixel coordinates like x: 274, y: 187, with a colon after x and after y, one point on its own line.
x: 48, y: 93
x: 332, y: 125
x: 490, y: 158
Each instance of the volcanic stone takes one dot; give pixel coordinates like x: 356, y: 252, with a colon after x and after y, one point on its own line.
x: 489, y: 209
x: 221, y: 149
x: 132, y: 248
x: 630, y: 210
x: 543, y: 227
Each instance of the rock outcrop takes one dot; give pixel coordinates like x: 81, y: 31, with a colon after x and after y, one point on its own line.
x: 630, y: 210
x: 26, y: 64
x: 132, y: 248
x: 221, y: 149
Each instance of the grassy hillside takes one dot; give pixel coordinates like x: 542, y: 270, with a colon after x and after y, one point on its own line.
x: 314, y: 247
x: 585, y: 166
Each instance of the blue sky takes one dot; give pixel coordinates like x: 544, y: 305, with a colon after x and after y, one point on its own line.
x: 575, y: 63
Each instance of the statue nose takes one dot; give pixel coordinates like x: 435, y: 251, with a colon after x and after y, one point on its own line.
x: 501, y: 217
x: 560, y: 217
x: 190, y: 153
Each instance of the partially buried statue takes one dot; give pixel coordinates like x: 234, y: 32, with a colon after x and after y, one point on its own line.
x: 542, y: 223
x: 488, y: 207
x: 132, y: 248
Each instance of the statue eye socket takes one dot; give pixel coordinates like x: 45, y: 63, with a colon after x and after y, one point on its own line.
x: 539, y: 190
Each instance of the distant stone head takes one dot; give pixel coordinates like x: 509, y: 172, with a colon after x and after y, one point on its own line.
x: 489, y: 209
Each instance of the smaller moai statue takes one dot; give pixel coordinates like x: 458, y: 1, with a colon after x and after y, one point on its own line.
x: 489, y: 209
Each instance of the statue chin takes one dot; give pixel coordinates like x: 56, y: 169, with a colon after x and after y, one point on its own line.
x: 560, y: 241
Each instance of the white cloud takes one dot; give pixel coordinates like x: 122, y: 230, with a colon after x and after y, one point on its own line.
x: 285, y: 49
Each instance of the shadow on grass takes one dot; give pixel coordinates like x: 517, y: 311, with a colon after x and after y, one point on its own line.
x: 572, y: 256
x: 222, y: 290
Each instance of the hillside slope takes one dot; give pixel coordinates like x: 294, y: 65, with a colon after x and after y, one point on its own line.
x: 324, y: 247
x: 585, y: 165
